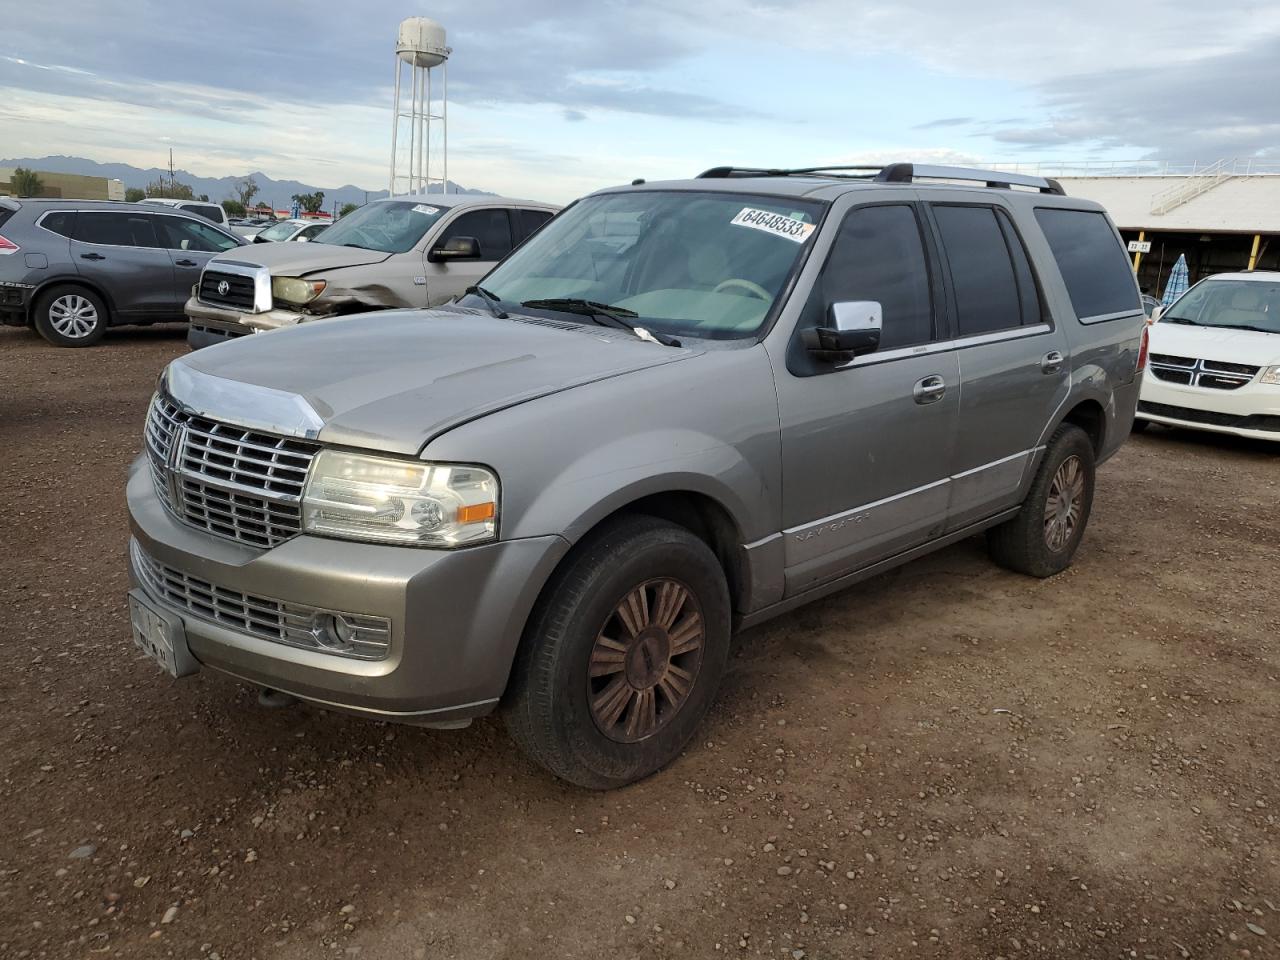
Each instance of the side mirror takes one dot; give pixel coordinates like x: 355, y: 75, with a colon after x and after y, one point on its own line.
x: 301, y: 239
x: 455, y: 248
x: 853, y: 328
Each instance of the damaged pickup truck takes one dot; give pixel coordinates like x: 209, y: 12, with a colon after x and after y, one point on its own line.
x: 408, y: 251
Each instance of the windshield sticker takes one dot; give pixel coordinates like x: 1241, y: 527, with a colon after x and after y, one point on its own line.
x: 775, y: 223
x: 423, y: 208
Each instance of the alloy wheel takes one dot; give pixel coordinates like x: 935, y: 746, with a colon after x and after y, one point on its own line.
x: 73, y: 316
x: 1064, y: 504
x: 645, y: 660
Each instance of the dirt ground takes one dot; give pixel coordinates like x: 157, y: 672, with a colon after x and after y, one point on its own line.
x: 952, y: 761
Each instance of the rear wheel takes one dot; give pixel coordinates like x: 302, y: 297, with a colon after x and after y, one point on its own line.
x: 624, y: 655
x: 1042, y: 539
x: 71, y: 316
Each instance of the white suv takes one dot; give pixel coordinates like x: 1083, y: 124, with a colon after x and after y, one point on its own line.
x: 1215, y: 358
x: 212, y: 212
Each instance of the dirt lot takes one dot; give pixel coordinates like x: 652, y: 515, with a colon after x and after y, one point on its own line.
x: 951, y: 762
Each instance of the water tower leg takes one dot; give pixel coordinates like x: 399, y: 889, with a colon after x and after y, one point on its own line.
x: 395, y: 128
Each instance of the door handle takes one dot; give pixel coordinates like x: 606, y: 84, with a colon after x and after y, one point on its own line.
x: 92, y: 256
x: 186, y: 263
x: 929, y: 390
x: 1051, y: 362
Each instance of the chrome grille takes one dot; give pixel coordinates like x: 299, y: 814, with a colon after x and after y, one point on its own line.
x: 1210, y: 374
x: 296, y: 625
x: 234, y: 482
x: 238, y: 292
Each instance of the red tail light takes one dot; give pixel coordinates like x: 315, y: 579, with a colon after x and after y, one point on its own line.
x: 1142, y: 351
x: 7, y: 247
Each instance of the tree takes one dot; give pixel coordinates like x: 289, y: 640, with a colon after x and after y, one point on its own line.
x: 133, y: 195
x: 310, y: 202
x: 347, y: 208
x: 171, y: 189
x: 26, y: 183
x: 204, y: 197
x: 234, y: 208
x: 246, y: 190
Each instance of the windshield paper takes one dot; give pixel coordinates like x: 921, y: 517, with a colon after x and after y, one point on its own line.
x: 774, y: 223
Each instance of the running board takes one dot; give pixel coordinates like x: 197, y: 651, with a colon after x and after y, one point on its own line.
x: 866, y: 573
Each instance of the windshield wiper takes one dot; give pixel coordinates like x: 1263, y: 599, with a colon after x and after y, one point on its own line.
x: 603, y: 314
x: 1184, y: 320
x: 490, y: 301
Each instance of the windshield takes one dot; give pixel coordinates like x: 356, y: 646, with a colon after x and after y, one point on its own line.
x: 279, y: 231
x: 701, y: 264
x: 390, y: 226
x: 1237, y: 304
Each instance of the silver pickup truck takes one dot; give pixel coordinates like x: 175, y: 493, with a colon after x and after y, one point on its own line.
x: 679, y: 410
x: 411, y: 251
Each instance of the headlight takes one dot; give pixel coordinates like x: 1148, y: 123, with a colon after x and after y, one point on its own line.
x: 385, y: 500
x: 1271, y: 375
x: 295, y: 289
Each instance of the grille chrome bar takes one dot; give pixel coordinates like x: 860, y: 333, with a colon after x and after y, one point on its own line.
x: 1210, y: 374
x: 232, y: 481
x: 295, y: 625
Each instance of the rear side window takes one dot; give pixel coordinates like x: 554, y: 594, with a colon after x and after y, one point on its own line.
x: 5, y: 214
x: 208, y: 211
x: 1093, y: 264
x: 879, y: 255
x: 491, y: 228
x: 982, y: 273
x: 60, y: 222
x: 531, y: 222
x: 115, y: 229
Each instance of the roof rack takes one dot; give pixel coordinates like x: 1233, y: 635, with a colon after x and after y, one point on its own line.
x: 899, y: 173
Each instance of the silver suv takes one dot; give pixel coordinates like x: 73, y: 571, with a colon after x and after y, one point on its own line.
x: 679, y: 410
x: 411, y: 251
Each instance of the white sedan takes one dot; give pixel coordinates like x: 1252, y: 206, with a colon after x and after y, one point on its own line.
x: 1214, y: 361
x: 285, y: 230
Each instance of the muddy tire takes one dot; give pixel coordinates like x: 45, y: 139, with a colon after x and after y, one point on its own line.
x: 623, y: 655
x: 1042, y: 539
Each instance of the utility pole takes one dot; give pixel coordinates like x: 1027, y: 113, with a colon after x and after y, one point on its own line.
x: 171, y: 176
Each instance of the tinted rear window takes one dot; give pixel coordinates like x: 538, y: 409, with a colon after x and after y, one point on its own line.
x: 208, y: 211
x: 5, y: 214
x: 982, y: 273
x: 116, y: 229
x: 1093, y: 264
x: 59, y: 221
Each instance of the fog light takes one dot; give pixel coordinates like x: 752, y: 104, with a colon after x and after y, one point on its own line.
x: 333, y: 631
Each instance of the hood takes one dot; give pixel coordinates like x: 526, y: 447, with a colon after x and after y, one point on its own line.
x: 1216, y: 343
x: 395, y: 379
x: 299, y: 259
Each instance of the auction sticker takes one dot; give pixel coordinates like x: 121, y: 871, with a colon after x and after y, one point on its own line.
x: 775, y: 223
x: 423, y: 208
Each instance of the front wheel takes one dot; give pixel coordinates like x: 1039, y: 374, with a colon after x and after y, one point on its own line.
x: 1042, y: 539
x: 623, y: 656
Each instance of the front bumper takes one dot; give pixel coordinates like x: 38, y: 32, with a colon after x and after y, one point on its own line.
x: 228, y: 322
x: 456, y: 616
x: 1249, y: 411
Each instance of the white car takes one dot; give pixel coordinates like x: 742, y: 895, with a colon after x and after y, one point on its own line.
x: 212, y: 212
x: 1214, y: 360
x: 285, y: 230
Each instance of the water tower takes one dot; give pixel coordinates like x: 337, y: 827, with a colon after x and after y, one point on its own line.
x: 420, y: 46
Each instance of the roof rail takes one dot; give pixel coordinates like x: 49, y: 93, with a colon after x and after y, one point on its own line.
x: 897, y: 173
x: 908, y: 172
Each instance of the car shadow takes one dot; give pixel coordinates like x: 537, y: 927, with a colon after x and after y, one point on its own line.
x: 1209, y: 441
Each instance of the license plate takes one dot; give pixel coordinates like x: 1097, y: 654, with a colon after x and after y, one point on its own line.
x: 160, y: 636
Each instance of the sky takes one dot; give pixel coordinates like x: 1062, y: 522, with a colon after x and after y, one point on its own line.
x: 550, y: 99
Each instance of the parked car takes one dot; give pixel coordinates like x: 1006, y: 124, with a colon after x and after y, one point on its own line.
x: 212, y: 212
x: 1215, y: 359
x: 71, y: 268
x: 412, y: 251
x: 283, y: 231
x: 679, y: 409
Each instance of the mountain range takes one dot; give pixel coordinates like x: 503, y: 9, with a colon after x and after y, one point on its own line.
x: 275, y: 192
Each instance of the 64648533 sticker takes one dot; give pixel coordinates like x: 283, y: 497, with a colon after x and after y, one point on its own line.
x: 778, y: 224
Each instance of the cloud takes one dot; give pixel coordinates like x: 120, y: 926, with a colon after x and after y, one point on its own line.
x: 1215, y: 106
x: 574, y: 116
x: 944, y: 122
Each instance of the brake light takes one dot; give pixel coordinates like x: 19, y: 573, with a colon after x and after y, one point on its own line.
x: 1142, y: 351
x: 7, y: 247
